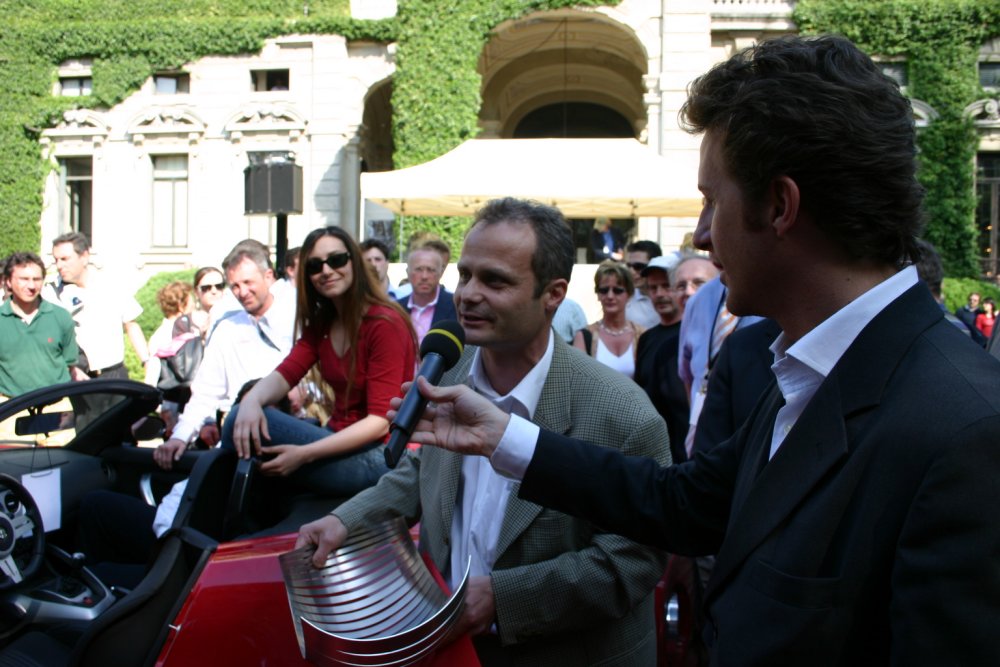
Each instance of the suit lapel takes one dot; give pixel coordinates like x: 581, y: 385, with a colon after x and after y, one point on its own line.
x: 768, y: 492
x: 552, y: 414
x: 765, y: 495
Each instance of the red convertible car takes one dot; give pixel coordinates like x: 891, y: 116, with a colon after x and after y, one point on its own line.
x: 205, y: 596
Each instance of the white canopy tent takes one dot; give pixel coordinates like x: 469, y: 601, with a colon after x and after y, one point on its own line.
x: 585, y: 178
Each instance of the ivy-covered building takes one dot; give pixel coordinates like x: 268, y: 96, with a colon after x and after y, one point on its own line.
x: 134, y: 121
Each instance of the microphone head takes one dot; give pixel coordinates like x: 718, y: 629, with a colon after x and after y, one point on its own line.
x: 446, y: 338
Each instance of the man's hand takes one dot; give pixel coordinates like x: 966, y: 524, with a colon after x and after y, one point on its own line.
x: 209, y: 434
x: 459, y: 419
x: 77, y: 375
x: 327, y: 534
x: 168, y: 452
x: 480, y: 609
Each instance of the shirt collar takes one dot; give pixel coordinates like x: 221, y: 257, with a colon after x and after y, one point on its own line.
x: 528, y: 391
x: 433, y: 303
x: 822, y: 348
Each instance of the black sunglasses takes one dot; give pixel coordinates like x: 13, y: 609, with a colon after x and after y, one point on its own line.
x: 210, y: 286
x: 334, y: 260
x: 604, y: 290
x: 637, y: 266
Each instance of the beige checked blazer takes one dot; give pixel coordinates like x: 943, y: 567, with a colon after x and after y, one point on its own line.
x: 566, y: 592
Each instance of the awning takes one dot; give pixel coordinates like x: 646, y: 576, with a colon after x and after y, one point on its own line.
x: 585, y: 178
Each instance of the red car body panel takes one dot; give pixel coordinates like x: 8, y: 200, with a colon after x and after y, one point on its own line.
x: 237, y: 614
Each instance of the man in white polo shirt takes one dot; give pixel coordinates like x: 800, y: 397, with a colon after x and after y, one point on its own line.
x: 99, y: 307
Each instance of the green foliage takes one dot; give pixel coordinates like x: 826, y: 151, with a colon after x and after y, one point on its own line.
x: 99, y: 10
x: 128, y: 41
x: 940, y: 40
x: 151, y: 315
x: 956, y: 291
x: 435, y: 95
x: 436, y: 86
x: 146, y: 296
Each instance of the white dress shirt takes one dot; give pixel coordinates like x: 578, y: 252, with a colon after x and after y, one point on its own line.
x: 240, y: 349
x: 801, y: 367
x: 475, y: 527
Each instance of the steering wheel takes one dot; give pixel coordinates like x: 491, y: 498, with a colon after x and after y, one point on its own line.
x: 22, y: 536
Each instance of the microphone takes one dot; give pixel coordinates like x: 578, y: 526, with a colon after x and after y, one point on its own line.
x: 441, y: 349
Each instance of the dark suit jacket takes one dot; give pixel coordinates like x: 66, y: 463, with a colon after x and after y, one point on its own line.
x: 444, y: 310
x: 871, y: 537
x: 656, y: 373
x: 740, y: 377
x: 597, y: 244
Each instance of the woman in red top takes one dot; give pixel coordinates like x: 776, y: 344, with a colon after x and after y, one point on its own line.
x: 365, y: 347
x: 986, y: 319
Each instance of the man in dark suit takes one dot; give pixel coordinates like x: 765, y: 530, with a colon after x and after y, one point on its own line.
x: 853, y: 513
x: 738, y: 380
x: 428, y: 303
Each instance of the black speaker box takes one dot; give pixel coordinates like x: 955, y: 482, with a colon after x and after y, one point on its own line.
x: 273, y: 188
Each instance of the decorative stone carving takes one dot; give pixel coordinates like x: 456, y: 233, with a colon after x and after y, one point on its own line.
x: 269, y: 118
x: 984, y: 113
x: 79, y: 123
x: 923, y: 113
x: 179, y: 122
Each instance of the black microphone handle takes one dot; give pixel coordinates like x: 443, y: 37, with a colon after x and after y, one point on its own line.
x: 432, y: 367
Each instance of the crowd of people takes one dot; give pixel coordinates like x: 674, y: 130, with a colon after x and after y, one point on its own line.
x: 792, y: 397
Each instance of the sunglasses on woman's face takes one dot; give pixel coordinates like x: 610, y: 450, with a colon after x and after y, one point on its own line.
x: 206, y: 288
x: 334, y: 260
x: 617, y: 290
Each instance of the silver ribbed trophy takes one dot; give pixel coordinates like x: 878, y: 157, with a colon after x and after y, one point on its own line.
x: 373, y: 604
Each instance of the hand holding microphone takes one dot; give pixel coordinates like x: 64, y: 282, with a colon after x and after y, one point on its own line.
x: 441, y: 349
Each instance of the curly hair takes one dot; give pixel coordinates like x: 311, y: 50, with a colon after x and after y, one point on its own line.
x: 820, y: 112
x: 173, y: 297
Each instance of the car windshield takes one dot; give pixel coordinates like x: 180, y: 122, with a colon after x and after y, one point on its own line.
x: 54, y: 416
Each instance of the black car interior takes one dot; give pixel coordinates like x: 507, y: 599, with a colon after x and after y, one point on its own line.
x: 55, y: 611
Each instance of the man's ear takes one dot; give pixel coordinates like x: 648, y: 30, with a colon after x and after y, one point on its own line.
x: 554, y: 294
x: 783, y: 201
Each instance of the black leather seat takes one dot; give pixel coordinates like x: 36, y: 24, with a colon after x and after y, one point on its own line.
x: 204, y: 503
x: 133, y: 630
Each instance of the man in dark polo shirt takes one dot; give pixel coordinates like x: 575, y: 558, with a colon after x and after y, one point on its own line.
x: 37, y: 342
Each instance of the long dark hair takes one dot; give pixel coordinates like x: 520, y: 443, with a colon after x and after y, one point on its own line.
x: 318, y: 313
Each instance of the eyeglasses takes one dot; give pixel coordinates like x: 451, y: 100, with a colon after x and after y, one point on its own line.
x: 617, y: 290
x: 334, y: 260
x: 206, y: 288
x: 694, y: 284
x: 637, y: 266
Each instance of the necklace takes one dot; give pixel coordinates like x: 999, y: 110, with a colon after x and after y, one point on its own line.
x: 613, y: 332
